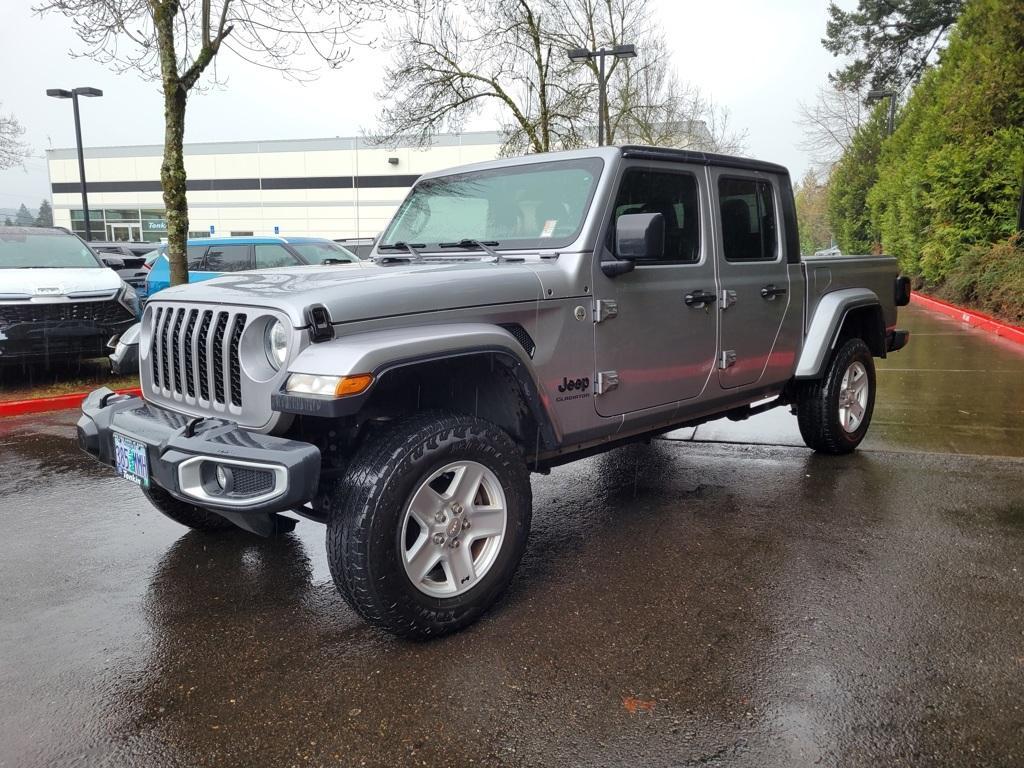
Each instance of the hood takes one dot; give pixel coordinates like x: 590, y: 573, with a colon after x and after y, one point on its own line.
x: 31, y: 283
x: 367, y: 290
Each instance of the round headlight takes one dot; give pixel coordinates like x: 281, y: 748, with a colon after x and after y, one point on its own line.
x: 276, y: 343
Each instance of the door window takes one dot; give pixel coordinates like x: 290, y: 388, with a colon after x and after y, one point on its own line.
x: 271, y: 255
x: 747, y: 209
x: 195, y: 257
x: 674, y: 196
x: 228, y: 258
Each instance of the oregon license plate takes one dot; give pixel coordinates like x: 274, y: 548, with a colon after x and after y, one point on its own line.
x: 131, y: 460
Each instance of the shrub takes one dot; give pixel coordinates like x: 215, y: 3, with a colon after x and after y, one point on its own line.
x: 991, y: 278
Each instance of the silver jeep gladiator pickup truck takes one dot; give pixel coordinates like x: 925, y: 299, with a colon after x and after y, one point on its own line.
x: 516, y: 315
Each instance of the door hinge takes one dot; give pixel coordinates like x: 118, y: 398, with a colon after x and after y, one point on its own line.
x: 606, y: 382
x: 605, y: 309
x: 728, y: 299
x: 728, y: 359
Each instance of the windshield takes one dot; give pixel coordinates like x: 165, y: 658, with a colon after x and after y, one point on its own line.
x: 45, y: 250
x: 315, y: 253
x: 540, y: 205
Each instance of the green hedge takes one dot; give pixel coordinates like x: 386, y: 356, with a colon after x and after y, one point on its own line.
x: 991, y: 278
x: 852, y: 179
x: 949, y: 177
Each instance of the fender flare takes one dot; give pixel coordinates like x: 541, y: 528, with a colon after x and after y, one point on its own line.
x: 823, y: 331
x: 385, y: 351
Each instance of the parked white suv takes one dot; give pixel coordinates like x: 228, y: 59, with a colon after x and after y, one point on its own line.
x: 57, y: 299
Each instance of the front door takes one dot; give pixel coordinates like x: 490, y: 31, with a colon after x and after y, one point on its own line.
x: 657, y: 347
x: 755, y: 293
x: 125, y: 233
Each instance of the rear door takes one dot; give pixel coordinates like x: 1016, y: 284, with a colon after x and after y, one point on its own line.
x: 755, y: 293
x: 660, y: 349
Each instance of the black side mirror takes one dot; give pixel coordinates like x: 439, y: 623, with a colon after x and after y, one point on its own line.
x: 637, y: 236
x: 114, y: 262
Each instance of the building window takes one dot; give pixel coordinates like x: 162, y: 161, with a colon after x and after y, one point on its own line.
x: 122, y: 224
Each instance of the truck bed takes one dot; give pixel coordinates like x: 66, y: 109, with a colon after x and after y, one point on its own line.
x: 824, y: 274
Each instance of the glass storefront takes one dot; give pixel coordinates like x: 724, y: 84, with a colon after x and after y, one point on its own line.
x: 123, y: 224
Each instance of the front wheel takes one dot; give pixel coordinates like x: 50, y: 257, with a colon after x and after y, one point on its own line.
x: 428, y: 525
x: 834, y: 412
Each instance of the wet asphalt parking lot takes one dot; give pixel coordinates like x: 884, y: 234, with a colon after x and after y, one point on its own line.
x: 721, y: 597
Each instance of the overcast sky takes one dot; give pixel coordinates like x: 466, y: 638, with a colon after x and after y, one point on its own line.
x: 759, y: 59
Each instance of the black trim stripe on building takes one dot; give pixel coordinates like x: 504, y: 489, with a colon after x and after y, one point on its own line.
x: 215, y: 185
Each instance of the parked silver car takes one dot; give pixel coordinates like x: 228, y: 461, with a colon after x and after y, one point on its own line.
x: 518, y: 314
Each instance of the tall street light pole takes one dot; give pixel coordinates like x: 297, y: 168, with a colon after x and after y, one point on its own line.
x: 875, y: 95
x: 579, y: 55
x: 73, y: 94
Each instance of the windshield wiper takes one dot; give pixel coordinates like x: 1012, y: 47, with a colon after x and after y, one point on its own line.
x: 409, y: 248
x: 483, y: 245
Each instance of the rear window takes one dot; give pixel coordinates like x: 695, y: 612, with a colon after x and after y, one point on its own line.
x: 748, y: 219
x: 44, y: 250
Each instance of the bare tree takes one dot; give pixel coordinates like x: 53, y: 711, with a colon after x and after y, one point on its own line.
x: 829, y: 124
x: 13, y: 150
x: 654, y: 106
x: 175, y: 41
x: 453, y: 61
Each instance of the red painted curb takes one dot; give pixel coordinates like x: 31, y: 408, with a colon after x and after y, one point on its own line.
x: 971, y: 317
x: 58, y: 403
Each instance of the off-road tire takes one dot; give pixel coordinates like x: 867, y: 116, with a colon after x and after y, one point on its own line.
x: 190, y: 515
x: 818, y: 404
x: 365, y: 506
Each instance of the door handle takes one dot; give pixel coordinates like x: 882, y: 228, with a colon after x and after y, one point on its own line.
x: 699, y: 299
x: 770, y: 292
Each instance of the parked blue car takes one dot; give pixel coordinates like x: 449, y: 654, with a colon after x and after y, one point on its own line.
x: 210, y: 257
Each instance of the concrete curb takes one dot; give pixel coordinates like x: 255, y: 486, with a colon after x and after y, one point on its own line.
x: 45, y: 404
x: 973, y: 318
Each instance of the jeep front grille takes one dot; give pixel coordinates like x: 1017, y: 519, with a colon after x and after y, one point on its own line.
x: 197, y: 346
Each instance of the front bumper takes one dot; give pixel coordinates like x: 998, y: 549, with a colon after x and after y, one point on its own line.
x: 182, y: 451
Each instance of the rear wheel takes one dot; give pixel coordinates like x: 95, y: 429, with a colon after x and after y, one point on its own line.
x: 835, y: 411
x: 190, y: 515
x: 427, y: 527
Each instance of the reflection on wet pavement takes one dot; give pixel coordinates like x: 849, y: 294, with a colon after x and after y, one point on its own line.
x: 953, y: 389
x: 682, y: 603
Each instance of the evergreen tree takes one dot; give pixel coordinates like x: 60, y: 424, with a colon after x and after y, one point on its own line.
x: 8, y: 222
x: 24, y: 217
x: 949, y: 177
x: 890, y: 41
x: 852, y: 178
x: 811, y: 196
x: 45, y: 217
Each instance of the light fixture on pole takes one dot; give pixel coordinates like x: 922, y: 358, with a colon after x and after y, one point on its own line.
x: 580, y: 55
x: 879, y: 94
x: 73, y: 94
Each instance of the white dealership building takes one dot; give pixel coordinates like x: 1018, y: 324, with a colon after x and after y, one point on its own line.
x: 341, y: 187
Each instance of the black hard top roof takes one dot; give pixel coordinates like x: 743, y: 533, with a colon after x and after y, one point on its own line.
x: 700, y: 158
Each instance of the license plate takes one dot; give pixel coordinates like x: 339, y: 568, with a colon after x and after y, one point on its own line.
x: 131, y: 460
